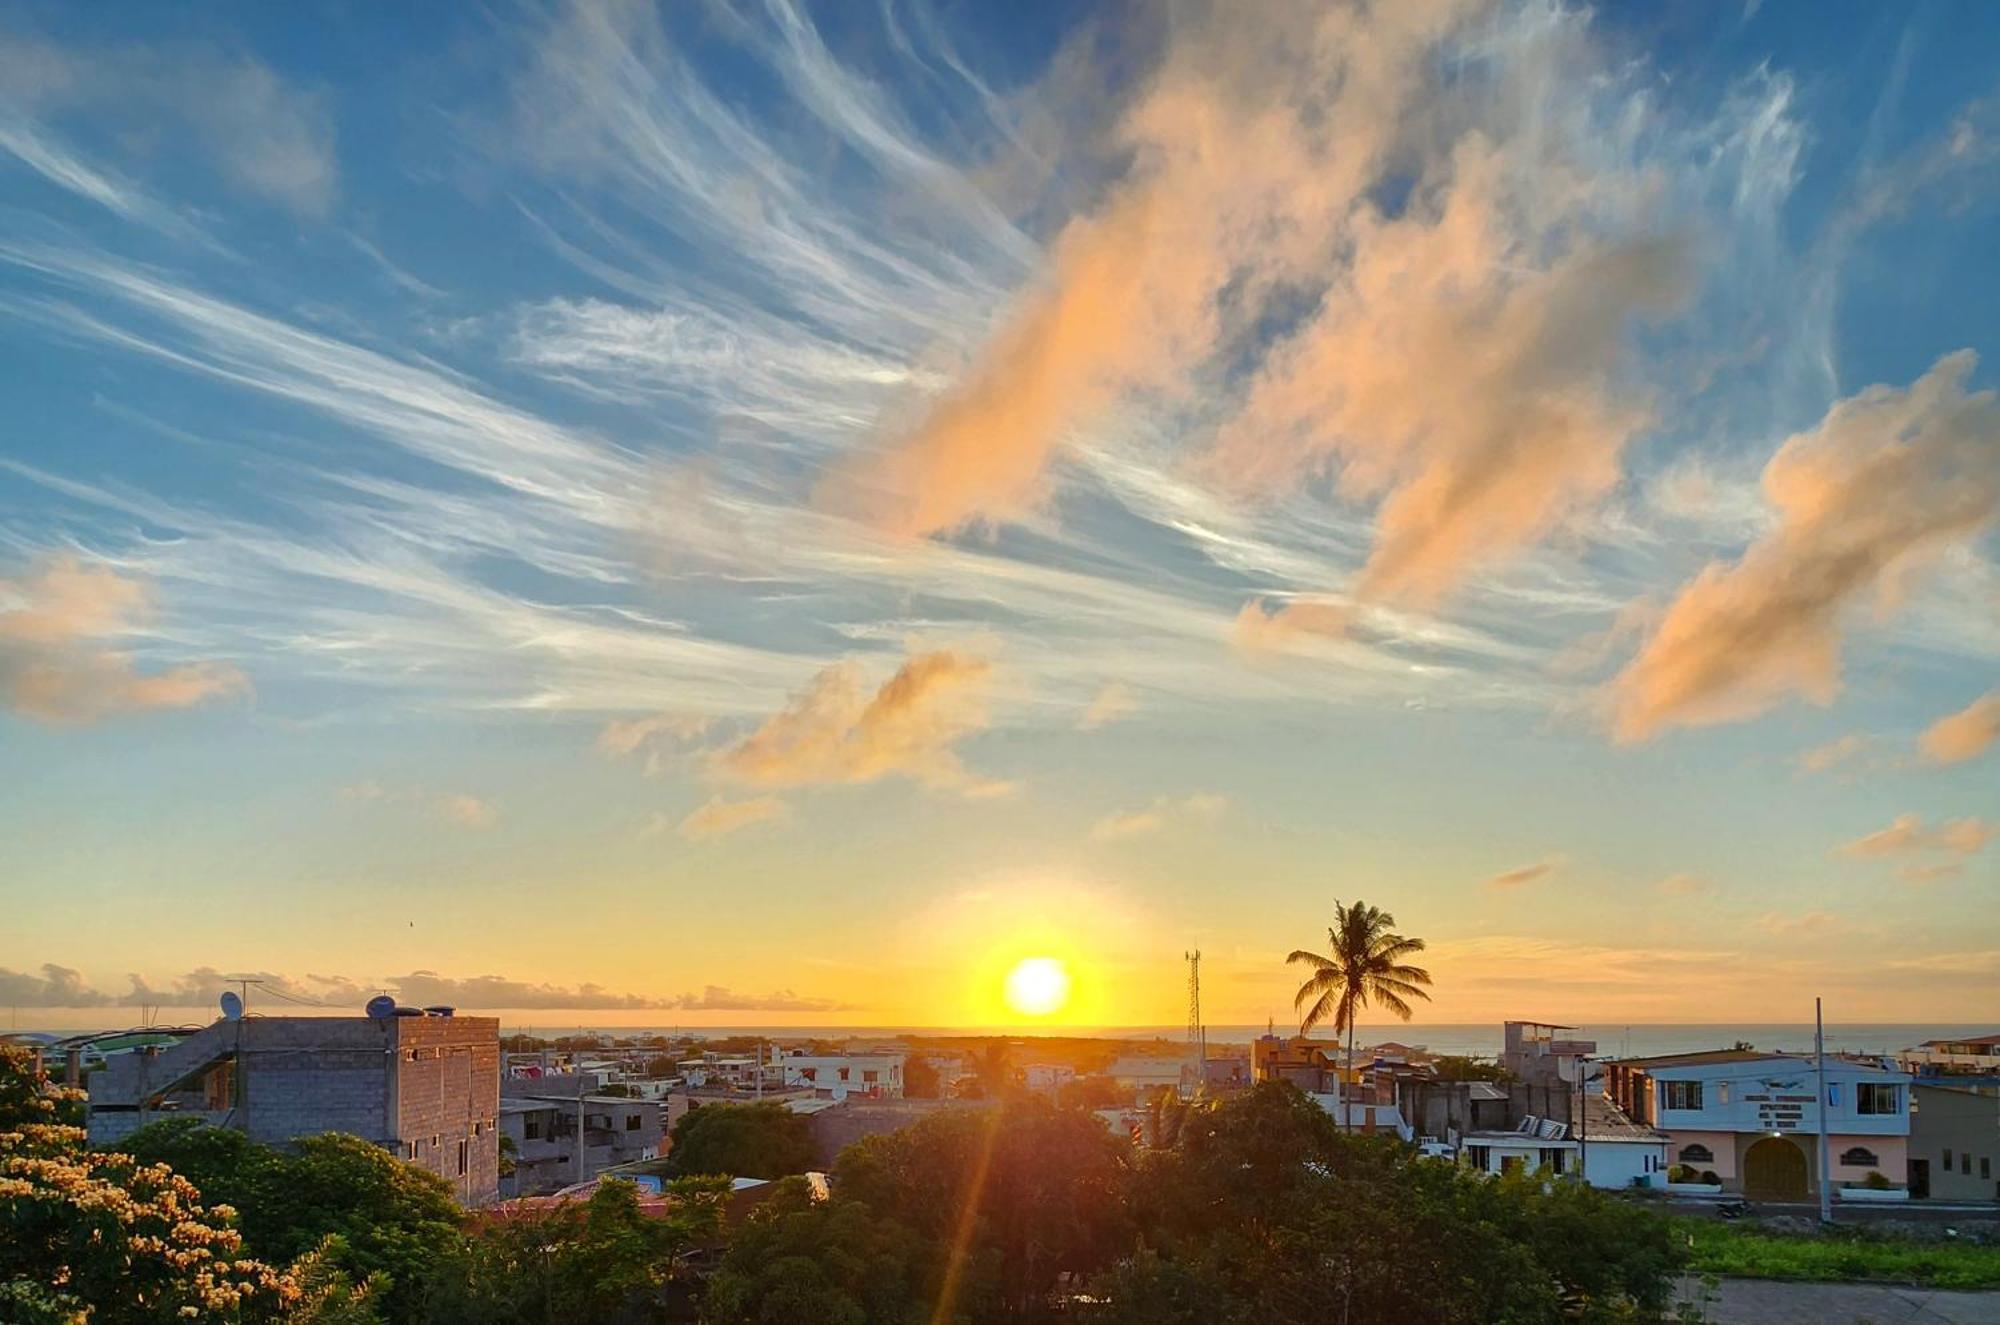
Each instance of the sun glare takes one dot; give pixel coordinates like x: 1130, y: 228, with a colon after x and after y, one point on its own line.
x: 1037, y: 986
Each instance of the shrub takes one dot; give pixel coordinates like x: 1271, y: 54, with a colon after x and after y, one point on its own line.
x: 1680, y: 1173
x: 1708, y: 1176
x: 1875, y: 1182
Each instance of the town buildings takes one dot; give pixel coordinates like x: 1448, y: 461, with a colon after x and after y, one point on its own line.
x: 425, y: 1088
x: 1972, y: 1064
x: 542, y: 1122
x: 1752, y: 1119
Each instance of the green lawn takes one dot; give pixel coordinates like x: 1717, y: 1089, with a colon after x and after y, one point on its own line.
x: 1721, y: 1248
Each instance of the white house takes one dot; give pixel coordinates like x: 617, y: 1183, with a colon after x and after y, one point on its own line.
x: 838, y: 1076
x: 1752, y: 1119
x: 1368, y: 1119
x: 1150, y: 1072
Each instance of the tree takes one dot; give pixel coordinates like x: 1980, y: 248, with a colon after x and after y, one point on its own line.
x: 838, y: 1262
x: 28, y: 1094
x: 1364, y: 962
x: 993, y: 1072
x: 1008, y: 1199
x: 1093, y: 1093
x: 1265, y: 1211
x: 741, y: 1141
x: 920, y: 1080
x: 392, y: 1221
x: 86, y: 1235
x: 605, y: 1259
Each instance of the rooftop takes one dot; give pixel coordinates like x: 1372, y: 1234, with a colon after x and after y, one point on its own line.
x: 1599, y: 1118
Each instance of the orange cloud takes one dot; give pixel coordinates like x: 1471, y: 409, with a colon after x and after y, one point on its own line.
x: 1113, y: 702
x: 1469, y: 386
x: 467, y: 811
x: 1202, y: 807
x: 1966, y: 837
x: 1888, y: 482
x: 53, y: 667
x: 1250, y: 148
x: 1963, y: 735
x: 1525, y: 875
x: 720, y: 817
x: 834, y: 732
x: 1823, y: 758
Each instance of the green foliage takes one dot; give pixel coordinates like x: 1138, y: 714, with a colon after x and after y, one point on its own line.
x: 1457, y: 1067
x: 391, y: 1221
x: 920, y: 1080
x: 839, y: 1262
x: 1032, y: 1192
x: 1840, y: 1255
x: 1093, y: 1093
x: 1263, y: 1211
x: 93, y: 1236
x: 741, y: 1141
x: 604, y: 1259
x: 1876, y: 1182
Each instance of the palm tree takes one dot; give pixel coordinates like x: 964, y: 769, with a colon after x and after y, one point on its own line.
x: 1364, y: 962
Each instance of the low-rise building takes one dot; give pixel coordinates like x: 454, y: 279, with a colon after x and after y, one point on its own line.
x: 1954, y: 1144
x: 1150, y: 1072
x: 839, y: 1076
x: 1752, y: 1119
x: 424, y: 1088
x: 543, y: 1130
x: 1963, y: 1064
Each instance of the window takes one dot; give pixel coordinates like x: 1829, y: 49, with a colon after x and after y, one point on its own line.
x: 1722, y: 1092
x: 843, y: 1074
x: 1860, y: 1157
x: 631, y: 1122
x: 1947, y: 1159
x: 1510, y: 1163
x: 869, y: 1077
x: 1871, y: 1097
x: 531, y: 1127
x: 1697, y: 1154
x: 1985, y: 1167
x: 1965, y: 1164
x: 461, y: 1157
x: 1680, y: 1094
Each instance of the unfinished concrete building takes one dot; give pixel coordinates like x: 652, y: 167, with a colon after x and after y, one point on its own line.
x: 425, y: 1088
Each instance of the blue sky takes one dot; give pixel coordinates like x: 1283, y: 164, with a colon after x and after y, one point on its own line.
x: 778, y: 511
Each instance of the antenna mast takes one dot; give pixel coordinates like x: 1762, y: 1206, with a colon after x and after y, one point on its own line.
x: 1197, y: 1035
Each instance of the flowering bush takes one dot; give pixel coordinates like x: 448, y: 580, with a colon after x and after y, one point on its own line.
x: 90, y: 1236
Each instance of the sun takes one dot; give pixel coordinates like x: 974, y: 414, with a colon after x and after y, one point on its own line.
x: 1037, y: 986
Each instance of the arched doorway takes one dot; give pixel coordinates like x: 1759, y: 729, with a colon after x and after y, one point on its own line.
x: 1774, y: 1170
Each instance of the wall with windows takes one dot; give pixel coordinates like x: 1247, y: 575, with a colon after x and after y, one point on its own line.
x: 1779, y: 1095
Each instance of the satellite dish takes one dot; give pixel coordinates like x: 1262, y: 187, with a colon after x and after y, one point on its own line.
x: 232, y: 1005
x: 381, y: 1007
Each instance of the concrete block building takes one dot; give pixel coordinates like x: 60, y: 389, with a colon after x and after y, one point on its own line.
x: 425, y: 1088
x: 1954, y: 1143
x: 557, y: 1142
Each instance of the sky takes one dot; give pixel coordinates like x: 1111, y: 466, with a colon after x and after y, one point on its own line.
x: 774, y: 513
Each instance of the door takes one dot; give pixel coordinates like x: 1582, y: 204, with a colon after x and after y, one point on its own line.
x: 1774, y: 1170
x: 1920, y: 1179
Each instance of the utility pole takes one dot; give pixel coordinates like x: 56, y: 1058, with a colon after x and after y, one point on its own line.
x: 1825, y: 1174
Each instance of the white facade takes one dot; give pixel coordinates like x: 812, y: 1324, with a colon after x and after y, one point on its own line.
x: 1047, y: 1076
x: 839, y: 1076
x: 1135, y: 1072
